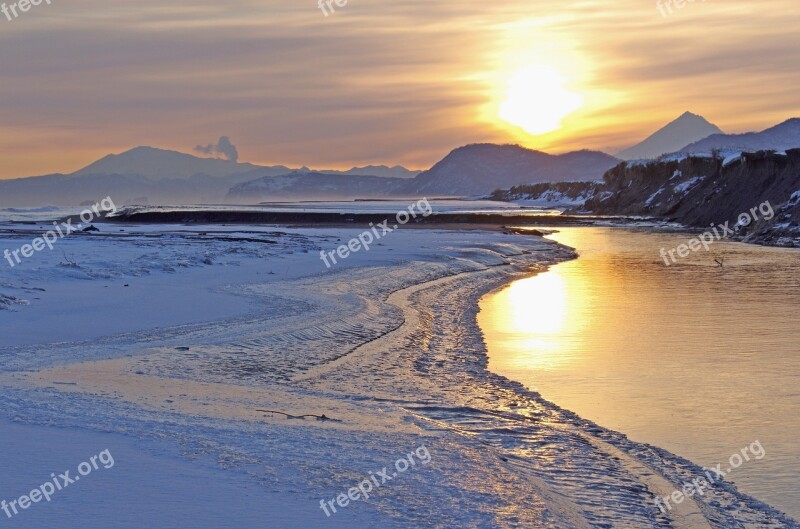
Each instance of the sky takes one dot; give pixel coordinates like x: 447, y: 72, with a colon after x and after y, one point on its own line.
x: 381, y: 81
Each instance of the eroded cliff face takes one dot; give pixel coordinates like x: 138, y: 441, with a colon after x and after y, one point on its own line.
x: 698, y: 191
x: 550, y: 194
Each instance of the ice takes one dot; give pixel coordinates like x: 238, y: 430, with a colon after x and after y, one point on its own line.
x: 218, y: 322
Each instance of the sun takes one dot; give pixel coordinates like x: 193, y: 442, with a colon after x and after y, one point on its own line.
x: 537, y: 101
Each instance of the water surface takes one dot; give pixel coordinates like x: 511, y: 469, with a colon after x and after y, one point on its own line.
x: 694, y: 358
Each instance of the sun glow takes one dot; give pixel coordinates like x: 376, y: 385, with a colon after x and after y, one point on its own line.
x: 537, y: 101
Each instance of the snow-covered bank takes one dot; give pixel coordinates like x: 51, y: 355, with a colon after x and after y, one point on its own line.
x: 385, y: 344
x: 149, y: 481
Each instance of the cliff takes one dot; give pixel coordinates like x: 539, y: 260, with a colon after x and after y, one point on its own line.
x: 700, y: 190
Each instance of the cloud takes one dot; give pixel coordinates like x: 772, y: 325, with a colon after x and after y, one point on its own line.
x: 223, y: 147
x: 298, y: 88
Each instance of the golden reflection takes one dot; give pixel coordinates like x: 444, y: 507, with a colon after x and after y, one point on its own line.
x: 537, y: 304
x: 620, y: 339
x: 529, y: 317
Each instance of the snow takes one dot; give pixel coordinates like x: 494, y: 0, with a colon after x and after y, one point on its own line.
x: 605, y: 195
x: 729, y: 159
x: 783, y: 136
x: 652, y: 197
x: 684, y: 187
x: 553, y: 199
x: 675, y: 157
x: 149, y: 481
x: 6, y: 302
x: 637, y: 163
x: 218, y: 322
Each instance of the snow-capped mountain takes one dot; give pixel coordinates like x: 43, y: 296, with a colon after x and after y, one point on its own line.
x: 686, y: 129
x: 482, y: 168
x: 778, y: 138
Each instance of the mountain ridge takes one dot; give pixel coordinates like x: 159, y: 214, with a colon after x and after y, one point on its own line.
x: 780, y: 137
x: 158, y: 163
x: 477, y: 169
x: 153, y: 175
x: 481, y: 168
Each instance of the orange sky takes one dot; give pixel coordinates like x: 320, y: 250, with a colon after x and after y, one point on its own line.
x: 398, y: 81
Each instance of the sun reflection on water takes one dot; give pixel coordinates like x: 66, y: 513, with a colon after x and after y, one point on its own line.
x: 685, y: 357
x: 530, y: 316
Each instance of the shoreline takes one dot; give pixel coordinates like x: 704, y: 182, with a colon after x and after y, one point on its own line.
x: 580, y: 397
x: 429, y: 374
x: 513, y: 220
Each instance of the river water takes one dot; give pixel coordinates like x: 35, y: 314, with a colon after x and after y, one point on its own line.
x: 698, y: 359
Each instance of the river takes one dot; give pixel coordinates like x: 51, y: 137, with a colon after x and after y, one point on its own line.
x: 698, y: 359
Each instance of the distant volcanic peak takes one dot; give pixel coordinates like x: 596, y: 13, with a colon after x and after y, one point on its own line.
x: 687, y: 128
x: 161, y: 163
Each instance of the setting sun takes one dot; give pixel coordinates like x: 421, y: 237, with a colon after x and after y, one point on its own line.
x: 537, y: 101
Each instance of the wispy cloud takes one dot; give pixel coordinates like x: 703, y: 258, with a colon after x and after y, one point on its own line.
x: 400, y: 81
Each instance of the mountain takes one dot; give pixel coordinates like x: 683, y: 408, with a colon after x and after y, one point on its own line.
x: 157, y: 176
x: 70, y: 190
x: 482, y: 168
x: 670, y: 138
x: 471, y: 170
x: 303, y: 185
x: 398, y: 171
x: 159, y: 163
x: 778, y: 138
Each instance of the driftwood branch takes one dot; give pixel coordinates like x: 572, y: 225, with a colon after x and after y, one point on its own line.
x: 322, y: 417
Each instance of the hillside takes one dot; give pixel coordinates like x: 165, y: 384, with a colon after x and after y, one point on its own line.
x: 301, y: 185
x: 159, y: 163
x: 778, y: 138
x: 482, y: 168
x: 700, y: 191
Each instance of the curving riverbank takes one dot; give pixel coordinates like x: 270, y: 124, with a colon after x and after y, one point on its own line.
x: 388, y: 346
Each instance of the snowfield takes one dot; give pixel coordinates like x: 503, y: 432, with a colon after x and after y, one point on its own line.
x: 161, y: 343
